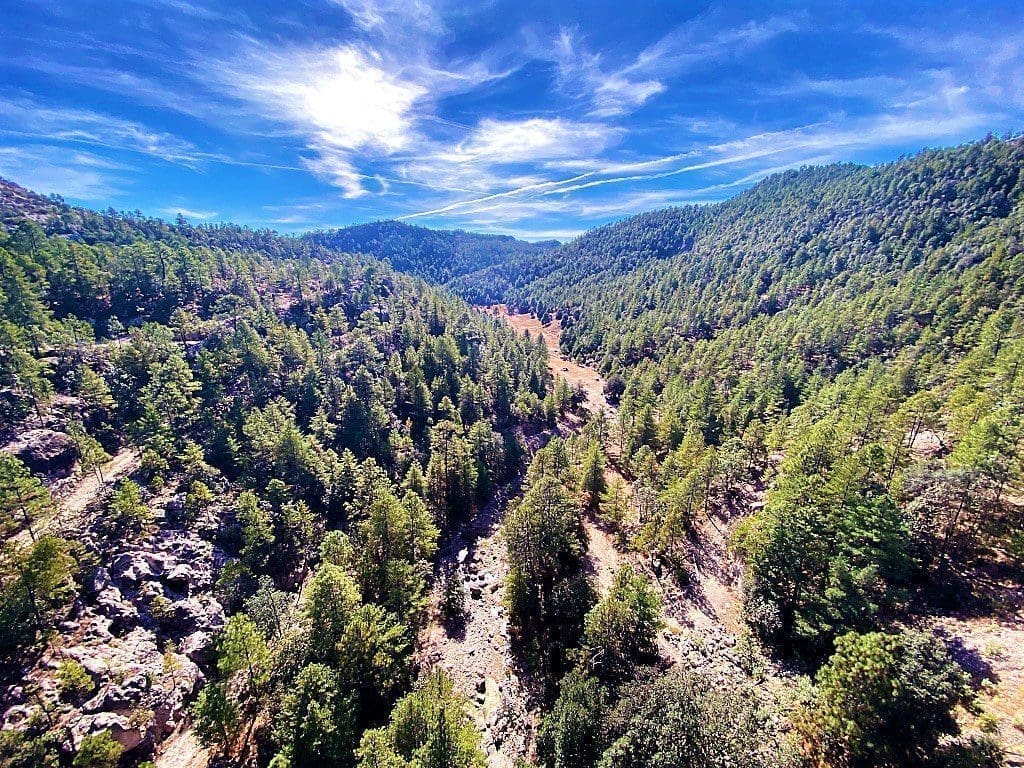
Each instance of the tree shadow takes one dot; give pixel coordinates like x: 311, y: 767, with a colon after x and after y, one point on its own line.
x: 972, y: 661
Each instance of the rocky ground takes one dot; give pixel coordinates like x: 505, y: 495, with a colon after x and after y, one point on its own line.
x: 142, y: 627
x: 476, y: 651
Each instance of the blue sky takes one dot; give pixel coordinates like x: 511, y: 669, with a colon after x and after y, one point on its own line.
x: 534, y: 119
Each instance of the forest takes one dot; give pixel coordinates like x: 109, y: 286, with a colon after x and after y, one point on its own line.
x: 338, y: 499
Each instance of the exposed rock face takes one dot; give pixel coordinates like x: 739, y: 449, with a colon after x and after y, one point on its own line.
x: 143, y: 628
x: 45, y: 452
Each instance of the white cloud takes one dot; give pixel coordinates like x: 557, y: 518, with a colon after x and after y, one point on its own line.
x: 520, y: 141
x: 380, y: 14
x: 617, y: 91
x: 342, y: 100
x: 617, y: 95
x: 344, y: 95
x: 49, y: 170
x: 28, y: 119
x: 611, y: 93
x: 188, y: 213
x: 359, y: 104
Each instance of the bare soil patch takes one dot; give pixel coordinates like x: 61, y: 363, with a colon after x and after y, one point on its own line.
x: 561, y: 366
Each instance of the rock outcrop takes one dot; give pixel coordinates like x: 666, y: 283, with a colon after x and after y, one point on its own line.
x: 45, y: 452
x: 143, y: 628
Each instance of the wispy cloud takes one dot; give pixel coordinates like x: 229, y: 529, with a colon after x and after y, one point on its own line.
x: 342, y: 100
x: 522, y: 141
x: 798, y: 146
x: 52, y: 170
x: 188, y: 213
x: 612, y: 93
x: 28, y: 119
x: 382, y: 15
x: 616, y: 91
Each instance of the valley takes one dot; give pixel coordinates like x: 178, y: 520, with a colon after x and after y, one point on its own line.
x: 728, y: 484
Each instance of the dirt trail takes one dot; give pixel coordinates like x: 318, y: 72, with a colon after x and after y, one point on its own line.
x: 603, y: 559
x: 183, y: 750
x: 72, y: 504
x: 561, y: 366
x: 986, y: 636
x: 89, y: 486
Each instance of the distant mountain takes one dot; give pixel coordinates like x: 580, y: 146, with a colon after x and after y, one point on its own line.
x: 439, y: 256
x: 810, y: 242
x: 55, y: 217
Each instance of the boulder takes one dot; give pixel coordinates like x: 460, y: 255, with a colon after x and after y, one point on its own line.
x: 198, y: 648
x: 130, y: 569
x: 180, y: 578
x: 122, y: 614
x: 196, y: 614
x: 128, y: 735
x: 45, y: 452
x: 17, y: 716
x: 97, y: 581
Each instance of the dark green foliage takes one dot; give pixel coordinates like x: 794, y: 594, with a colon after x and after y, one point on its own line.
x: 395, y: 543
x: 30, y: 746
x: 128, y: 511
x: 884, y: 700
x: 23, y: 498
x: 620, y: 632
x: 332, y: 599
x: 437, y: 256
x: 546, y: 592
x: 429, y: 728
x: 36, y: 585
x: 316, y: 725
x: 373, y: 656
x: 684, y: 721
x: 592, y: 480
x: 819, y: 571
x: 74, y: 682
x: 572, y: 734
x: 807, y: 337
x: 215, y: 715
x: 98, y: 750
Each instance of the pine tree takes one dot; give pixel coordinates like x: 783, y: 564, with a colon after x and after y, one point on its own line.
x: 592, y: 480
x: 91, y: 454
x: 23, y: 498
x: 128, y: 510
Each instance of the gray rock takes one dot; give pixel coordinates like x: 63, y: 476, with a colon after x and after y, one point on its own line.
x: 45, y: 452
x: 97, y: 581
x: 198, y: 648
x: 129, y: 736
x: 111, y: 603
x: 180, y: 578
x: 198, y: 614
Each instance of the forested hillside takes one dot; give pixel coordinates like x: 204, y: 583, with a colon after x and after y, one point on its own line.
x: 439, y: 256
x: 827, y: 368
x: 203, y: 425
x: 269, y: 503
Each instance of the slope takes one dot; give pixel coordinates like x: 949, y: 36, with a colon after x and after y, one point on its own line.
x: 435, y: 255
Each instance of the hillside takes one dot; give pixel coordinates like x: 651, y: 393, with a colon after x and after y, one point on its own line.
x: 289, y: 501
x: 439, y: 256
x: 201, y: 427
x: 849, y: 339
